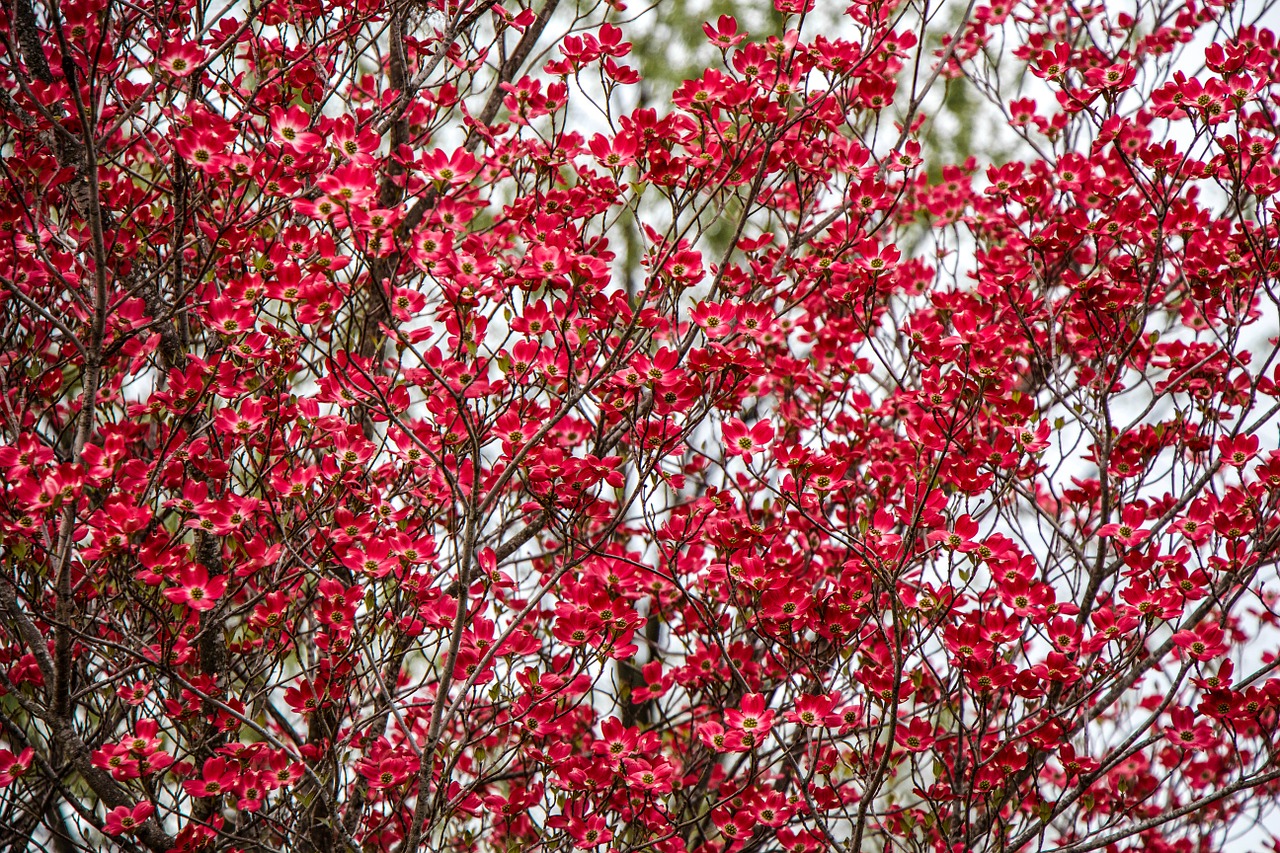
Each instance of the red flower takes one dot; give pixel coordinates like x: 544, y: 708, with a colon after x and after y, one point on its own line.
x: 196, y: 589
x: 917, y: 736
x: 217, y: 777
x: 1237, y: 451
x: 814, y: 710
x: 181, y: 59
x: 1203, y: 643
x: 123, y: 820
x: 650, y: 776
x: 616, y: 743
x: 717, y: 739
x: 785, y: 605
x: 1188, y: 732
x: 744, y: 441
x: 750, y: 717
x: 1129, y: 530
x: 116, y: 760
x: 304, y: 698
x: 960, y: 537
x: 456, y: 168
x: 725, y: 33
x: 12, y: 767
x: 291, y: 128
x: 614, y: 153
x: 591, y: 832
x: 715, y: 318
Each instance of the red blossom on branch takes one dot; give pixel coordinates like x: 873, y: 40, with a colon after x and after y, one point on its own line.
x: 418, y: 434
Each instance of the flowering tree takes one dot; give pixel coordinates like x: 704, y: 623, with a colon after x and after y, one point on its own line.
x: 360, y: 494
